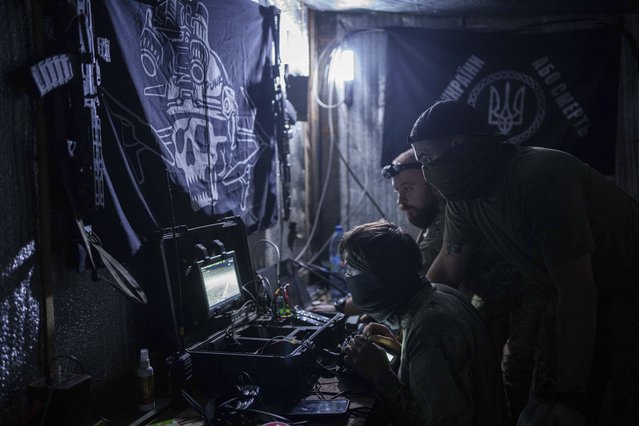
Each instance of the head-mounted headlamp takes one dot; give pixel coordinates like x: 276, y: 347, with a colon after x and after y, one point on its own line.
x: 393, y: 170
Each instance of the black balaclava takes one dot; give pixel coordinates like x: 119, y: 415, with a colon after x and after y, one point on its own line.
x: 468, y: 170
x: 383, y: 291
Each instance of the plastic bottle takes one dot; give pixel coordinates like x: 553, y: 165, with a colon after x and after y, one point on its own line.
x: 334, y: 258
x: 146, y: 385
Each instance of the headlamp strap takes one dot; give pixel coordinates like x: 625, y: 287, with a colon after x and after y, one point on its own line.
x: 393, y: 170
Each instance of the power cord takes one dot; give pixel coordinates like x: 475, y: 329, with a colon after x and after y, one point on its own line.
x: 57, y: 378
x: 277, y: 251
x: 273, y: 340
x: 330, y: 51
x: 235, y: 409
x: 320, y: 272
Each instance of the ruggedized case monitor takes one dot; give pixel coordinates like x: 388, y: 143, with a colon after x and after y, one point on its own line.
x: 214, y: 294
x: 219, y: 282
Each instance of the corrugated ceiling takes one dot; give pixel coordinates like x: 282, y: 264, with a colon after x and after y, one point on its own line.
x: 483, y: 7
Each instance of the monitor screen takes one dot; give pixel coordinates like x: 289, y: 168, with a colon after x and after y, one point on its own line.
x: 220, y: 281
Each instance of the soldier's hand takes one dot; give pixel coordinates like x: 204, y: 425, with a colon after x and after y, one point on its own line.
x: 383, y: 336
x: 366, y: 358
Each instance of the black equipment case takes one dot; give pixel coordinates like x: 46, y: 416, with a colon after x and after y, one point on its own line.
x: 239, y: 340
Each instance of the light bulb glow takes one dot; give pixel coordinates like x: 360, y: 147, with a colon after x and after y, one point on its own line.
x: 343, y: 65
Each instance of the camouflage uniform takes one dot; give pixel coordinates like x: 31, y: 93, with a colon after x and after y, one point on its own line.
x: 449, y: 371
x: 510, y: 306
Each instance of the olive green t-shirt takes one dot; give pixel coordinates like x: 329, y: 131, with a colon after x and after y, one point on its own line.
x: 548, y: 209
x: 488, y: 275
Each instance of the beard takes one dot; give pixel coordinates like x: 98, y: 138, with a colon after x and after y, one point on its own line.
x: 424, y: 217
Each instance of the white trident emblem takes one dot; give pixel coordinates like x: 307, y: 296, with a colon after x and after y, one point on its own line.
x: 506, y: 114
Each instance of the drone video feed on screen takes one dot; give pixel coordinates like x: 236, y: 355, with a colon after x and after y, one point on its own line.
x: 221, y: 281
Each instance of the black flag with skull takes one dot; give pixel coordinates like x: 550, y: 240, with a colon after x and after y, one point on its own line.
x: 186, y: 115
